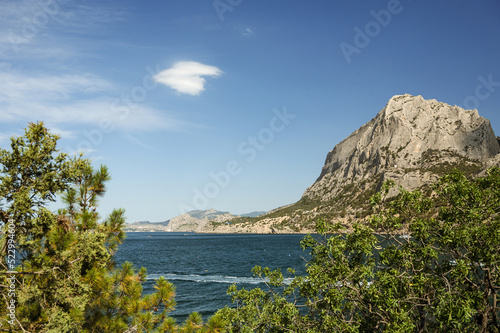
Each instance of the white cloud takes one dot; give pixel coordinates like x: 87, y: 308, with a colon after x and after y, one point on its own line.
x: 186, y: 76
x: 16, y: 85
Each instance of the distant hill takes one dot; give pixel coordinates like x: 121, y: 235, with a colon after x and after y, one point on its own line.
x: 253, y: 214
x: 146, y: 226
x: 195, y: 220
x: 411, y: 141
x: 207, y: 214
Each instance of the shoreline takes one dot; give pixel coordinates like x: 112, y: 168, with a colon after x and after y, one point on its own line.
x: 220, y: 232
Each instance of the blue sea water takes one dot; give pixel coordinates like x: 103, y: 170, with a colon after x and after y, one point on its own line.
x: 203, y: 266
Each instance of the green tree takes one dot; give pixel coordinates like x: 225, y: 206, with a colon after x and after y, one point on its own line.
x: 65, y: 279
x: 424, y: 263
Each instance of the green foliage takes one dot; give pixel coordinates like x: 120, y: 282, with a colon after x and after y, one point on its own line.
x: 433, y: 267
x: 65, y: 279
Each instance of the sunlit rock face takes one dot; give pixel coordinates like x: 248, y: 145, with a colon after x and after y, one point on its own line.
x: 411, y: 141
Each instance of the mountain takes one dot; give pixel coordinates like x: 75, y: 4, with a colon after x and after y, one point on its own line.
x: 209, y: 214
x: 195, y: 220
x: 412, y: 141
x: 409, y: 141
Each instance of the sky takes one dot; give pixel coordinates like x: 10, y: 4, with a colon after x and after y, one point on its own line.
x: 231, y: 104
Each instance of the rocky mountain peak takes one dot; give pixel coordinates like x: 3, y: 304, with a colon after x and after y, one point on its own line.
x: 407, y: 141
x: 433, y: 124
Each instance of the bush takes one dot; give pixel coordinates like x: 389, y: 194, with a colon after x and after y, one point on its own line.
x: 433, y: 267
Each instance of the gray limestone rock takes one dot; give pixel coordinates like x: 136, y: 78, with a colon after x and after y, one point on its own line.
x: 411, y: 141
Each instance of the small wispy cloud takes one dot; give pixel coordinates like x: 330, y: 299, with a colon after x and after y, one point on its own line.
x: 186, y: 77
x: 247, y: 32
x: 17, y: 84
x: 33, y: 28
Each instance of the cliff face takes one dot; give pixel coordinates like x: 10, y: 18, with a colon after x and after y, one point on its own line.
x: 412, y: 141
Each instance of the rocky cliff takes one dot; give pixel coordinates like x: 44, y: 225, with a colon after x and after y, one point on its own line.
x: 412, y: 141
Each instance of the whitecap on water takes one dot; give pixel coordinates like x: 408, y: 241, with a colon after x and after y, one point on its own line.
x: 213, y: 278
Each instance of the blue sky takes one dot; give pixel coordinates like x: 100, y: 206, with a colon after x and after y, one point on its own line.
x: 231, y: 104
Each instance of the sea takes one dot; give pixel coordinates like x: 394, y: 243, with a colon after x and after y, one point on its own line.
x: 203, y: 266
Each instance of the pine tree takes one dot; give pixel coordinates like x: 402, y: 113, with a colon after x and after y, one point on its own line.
x: 64, y: 278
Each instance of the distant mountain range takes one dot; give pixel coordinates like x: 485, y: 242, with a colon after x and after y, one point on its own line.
x: 191, y: 221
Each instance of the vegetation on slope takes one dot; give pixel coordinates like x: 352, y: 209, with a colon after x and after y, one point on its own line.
x: 436, y: 268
